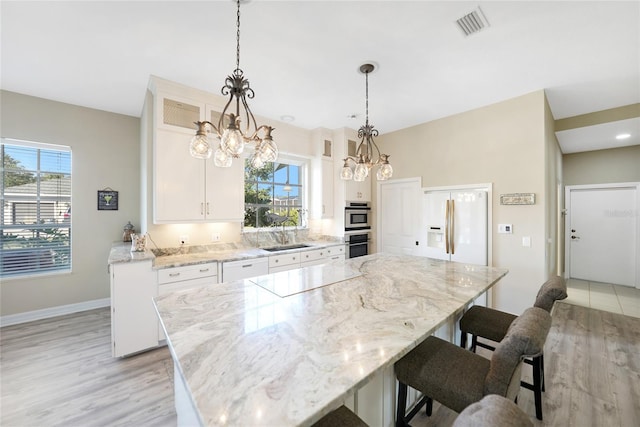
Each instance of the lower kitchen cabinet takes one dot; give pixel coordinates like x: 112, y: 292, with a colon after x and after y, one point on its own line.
x: 237, y: 270
x: 134, y: 322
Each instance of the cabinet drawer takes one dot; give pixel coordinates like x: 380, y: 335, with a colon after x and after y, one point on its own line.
x: 188, y: 272
x: 284, y: 259
x: 313, y: 255
x: 236, y: 270
x: 335, y: 250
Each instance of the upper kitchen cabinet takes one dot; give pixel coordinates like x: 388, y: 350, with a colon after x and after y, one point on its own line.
x: 324, y: 179
x: 185, y: 189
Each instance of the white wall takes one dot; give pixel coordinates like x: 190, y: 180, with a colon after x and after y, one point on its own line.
x: 506, y: 144
x: 104, y: 154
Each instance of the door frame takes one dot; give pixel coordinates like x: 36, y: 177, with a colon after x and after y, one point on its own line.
x: 567, y: 219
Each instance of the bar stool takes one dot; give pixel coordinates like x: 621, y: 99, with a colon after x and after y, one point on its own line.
x: 341, y: 417
x: 492, y: 411
x: 492, y: 324
x: 457, y: 378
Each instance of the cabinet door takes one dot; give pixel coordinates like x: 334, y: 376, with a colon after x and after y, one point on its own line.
x: 225, y: 192
x: 327, y: 188
x: 179, y: 180
x: 134, y: 322
x: 360, y: 191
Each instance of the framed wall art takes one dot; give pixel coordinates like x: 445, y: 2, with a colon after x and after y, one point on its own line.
x: 107, y: 200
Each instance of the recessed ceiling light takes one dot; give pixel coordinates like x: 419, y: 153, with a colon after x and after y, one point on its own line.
x: 352, y: 116
x: 623, y: 136
x: 287, y: 118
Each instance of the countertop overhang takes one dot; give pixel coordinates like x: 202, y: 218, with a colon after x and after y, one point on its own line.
x: 247, y: 354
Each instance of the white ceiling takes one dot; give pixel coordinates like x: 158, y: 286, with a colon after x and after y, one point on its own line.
x: 302, y: 57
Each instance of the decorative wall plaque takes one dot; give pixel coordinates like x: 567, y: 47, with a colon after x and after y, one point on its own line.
x: 518, y: 199
x: 107, y: 200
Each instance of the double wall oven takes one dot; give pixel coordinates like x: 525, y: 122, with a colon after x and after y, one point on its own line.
x: 357, y: 228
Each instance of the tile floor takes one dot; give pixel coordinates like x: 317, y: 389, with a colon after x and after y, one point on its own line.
x: 603, y: 296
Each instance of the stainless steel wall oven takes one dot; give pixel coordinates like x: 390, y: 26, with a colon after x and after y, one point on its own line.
x: 357, y: 216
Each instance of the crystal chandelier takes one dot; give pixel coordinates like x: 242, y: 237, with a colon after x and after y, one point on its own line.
x: 231, y: 136
x: 364, y: 158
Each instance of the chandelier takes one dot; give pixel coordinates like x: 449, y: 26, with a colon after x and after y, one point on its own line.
x: 367, y: 148
x: 231, y: 136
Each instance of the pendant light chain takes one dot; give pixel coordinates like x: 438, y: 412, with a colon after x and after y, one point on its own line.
x: 366, y: 79
x: 238, y: 37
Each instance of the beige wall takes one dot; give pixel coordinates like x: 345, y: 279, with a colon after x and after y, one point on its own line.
x: 602, y: 166
x: 104, y: 154
x: 509, y: 145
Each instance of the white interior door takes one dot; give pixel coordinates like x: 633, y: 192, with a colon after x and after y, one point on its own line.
x: 602, y: 234
x: 398, y: 216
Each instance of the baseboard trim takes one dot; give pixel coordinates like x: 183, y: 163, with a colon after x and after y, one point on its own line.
x: 45, y: 313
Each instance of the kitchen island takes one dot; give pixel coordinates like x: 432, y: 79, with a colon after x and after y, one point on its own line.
x: 256, y: 352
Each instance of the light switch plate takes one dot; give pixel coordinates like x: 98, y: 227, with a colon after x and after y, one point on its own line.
x: 526, y: 241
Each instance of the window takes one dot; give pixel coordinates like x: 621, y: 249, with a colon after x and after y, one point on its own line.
x: 273, y: 195
x: 35, y: 236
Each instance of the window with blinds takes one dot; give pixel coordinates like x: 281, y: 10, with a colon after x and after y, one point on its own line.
x: 35, y: 233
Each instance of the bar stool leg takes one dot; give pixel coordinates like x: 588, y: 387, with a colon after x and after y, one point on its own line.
x: 463, y: 340
x: 402, y: 405
x: 542, y: 369
x: 537, y: 386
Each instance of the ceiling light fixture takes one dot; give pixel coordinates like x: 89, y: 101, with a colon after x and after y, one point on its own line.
x: 228, y: 130
x: 364, y: 158
x: 623, y: 136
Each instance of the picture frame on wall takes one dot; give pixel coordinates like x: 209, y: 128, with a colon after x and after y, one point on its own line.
x: 107, y: 200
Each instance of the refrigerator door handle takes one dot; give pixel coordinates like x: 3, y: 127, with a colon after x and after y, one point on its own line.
x: 446, y: 226
x: 453, y: 224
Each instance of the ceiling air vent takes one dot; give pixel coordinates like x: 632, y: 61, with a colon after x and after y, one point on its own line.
x: 472, y: 22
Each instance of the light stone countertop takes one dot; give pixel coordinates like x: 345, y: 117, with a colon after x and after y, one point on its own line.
x: 121, y: 252
x: 242, y: 350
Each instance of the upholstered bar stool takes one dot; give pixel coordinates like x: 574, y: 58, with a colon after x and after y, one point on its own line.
x: 341, y: 417
x: 493, y: 411
x: 492, y: 324
x: 457, y: 378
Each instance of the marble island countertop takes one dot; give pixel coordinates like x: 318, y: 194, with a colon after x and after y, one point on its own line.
x: 250, y: 356
x: 121, y: 252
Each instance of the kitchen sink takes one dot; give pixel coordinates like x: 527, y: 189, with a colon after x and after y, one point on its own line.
x: 285, y: 247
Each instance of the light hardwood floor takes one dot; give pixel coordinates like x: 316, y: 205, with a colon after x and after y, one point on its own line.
x: 59, y: 372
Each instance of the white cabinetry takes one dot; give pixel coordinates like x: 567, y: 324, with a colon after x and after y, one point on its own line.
x: 327, y: 188
x: 284, y: 262
x: 306, y: 258
x: 237, y: 270
x: 134, y: 322
x: 187, y: 189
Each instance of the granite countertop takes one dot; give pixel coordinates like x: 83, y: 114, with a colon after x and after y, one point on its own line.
x: 246, y: 353
x: 120, y: 252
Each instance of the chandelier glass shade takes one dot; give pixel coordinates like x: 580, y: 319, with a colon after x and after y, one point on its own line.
x: 231, y: 136
x: 367, y: 153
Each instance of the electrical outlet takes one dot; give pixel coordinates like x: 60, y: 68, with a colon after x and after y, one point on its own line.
x: 184, y: 239
x: 215, y: 237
